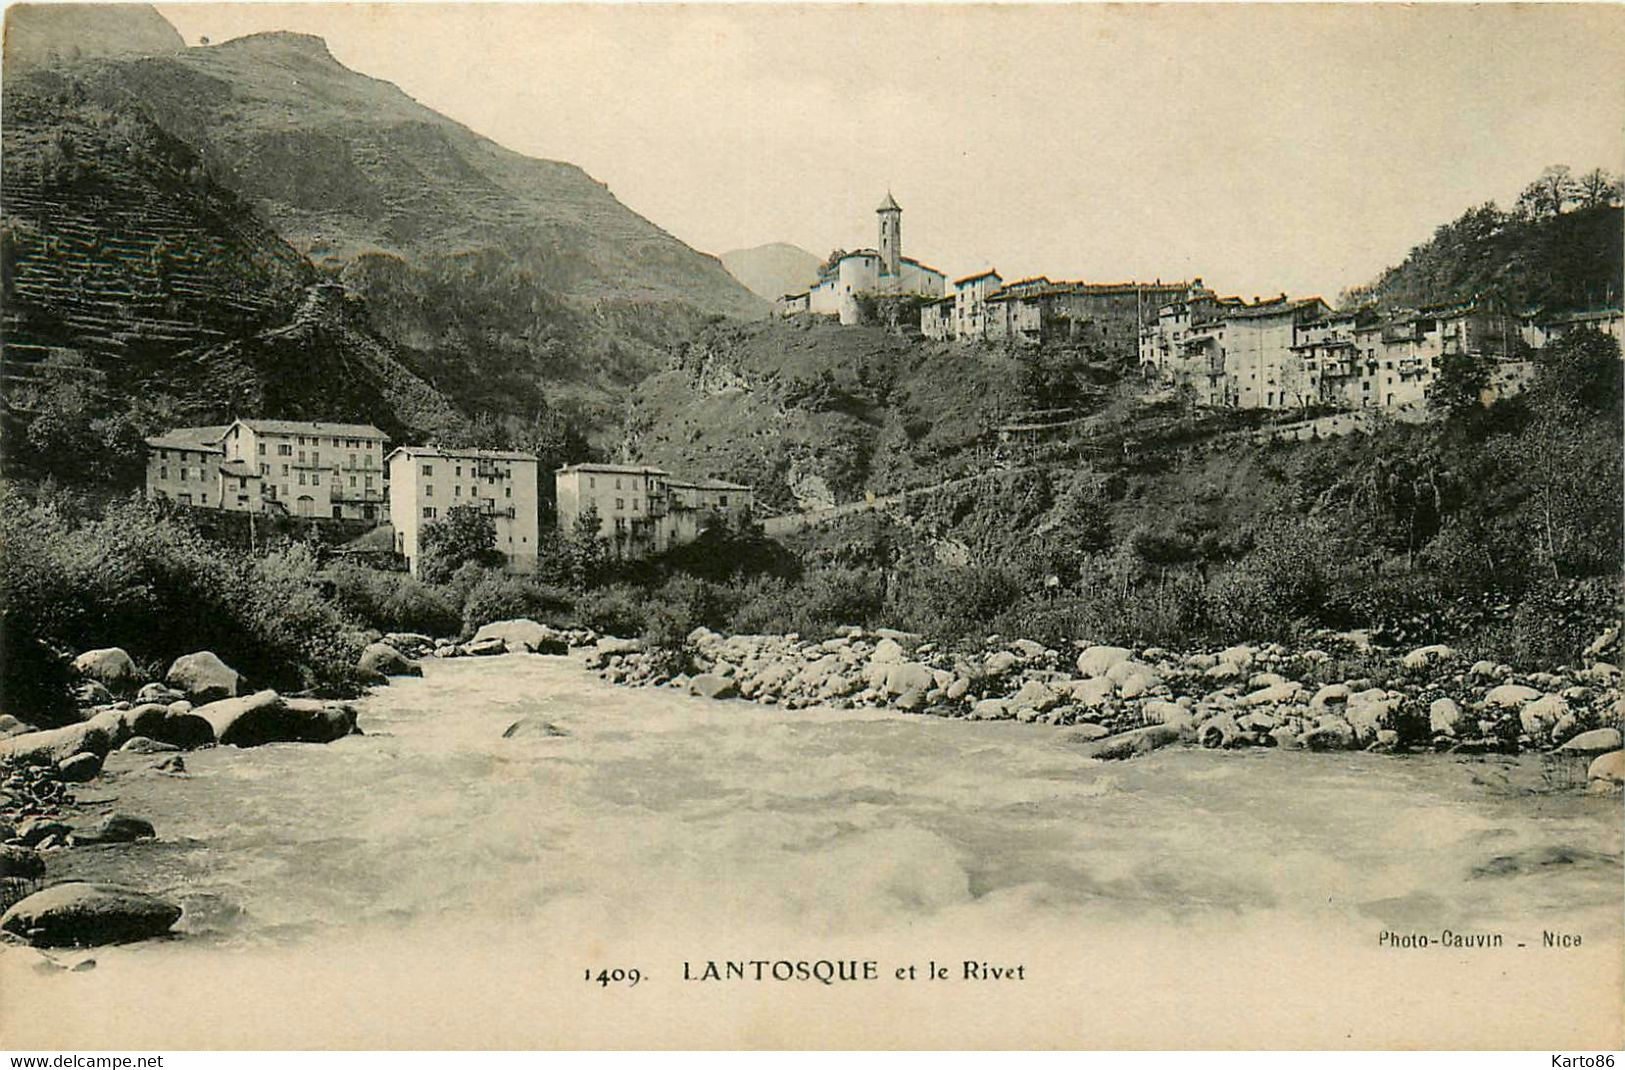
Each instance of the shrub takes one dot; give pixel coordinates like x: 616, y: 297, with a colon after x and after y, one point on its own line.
x: 394, y: 601
x: 499, y: 596
x: 614, y: 610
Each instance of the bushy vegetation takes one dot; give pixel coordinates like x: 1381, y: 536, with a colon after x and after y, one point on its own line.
x: 137, y: 578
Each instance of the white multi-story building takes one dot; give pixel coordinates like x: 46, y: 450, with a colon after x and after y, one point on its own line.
x: 302, y: 468
x: 643, y: 510
x: 427, y: 482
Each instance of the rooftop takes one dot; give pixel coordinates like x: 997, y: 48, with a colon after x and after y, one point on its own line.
x: 314, y: 427
x: 889, y: 204
x: 448, y: 452
x: 979, y: 275
x: 189, y: 438
x: 614, y: 469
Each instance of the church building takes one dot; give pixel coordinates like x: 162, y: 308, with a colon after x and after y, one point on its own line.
x: 883, y: 272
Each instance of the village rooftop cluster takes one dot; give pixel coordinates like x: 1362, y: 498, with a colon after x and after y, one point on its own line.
x: 1277, y: 353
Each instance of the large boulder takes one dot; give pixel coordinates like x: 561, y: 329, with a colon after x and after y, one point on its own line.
x: 1098, y: 660
x: 1444, y: 717
x: 1424, y: 656
x: 484, y: 648
x: 1129, y: 744
x: 1092, y: 692
x: 315, y: 721
x: 263, y: 717
x: 116, y: 828
x: 534, y: 727
x: 710, y: 685
x: 412, y: 644
x: 1035, y: 695
x: 1000, y: 662
x: 57, y: 745
x: 905, y: 676
x: 110, y: 666
x: 203, y: 677
x: 1511, y: 696
x: 1607, y: 768
x: 1539, y: 717
x: 83, y: 914
x: 81, y: 768
x: 886, y: 652
x: 385, y: 660
x: 609, y: 646
x: 524, y: 634
x: 1596, y: 741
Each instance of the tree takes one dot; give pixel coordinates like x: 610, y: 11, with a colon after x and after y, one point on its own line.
x: 1459, y: 388
x: 586, y: 550
x: 464, y: 535
x: 1598, y: 189
x: 1549, y: 194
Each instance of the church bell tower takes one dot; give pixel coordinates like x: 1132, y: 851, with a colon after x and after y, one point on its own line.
x: 891, y: 236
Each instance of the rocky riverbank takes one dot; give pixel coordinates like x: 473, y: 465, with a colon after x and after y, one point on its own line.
x: 1117, y: 702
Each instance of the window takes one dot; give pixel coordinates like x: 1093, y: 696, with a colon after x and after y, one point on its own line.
x: 262, y: 449
x: 369, y: 482
x: 163, y: 455
x: 620, y: 504
x: 284, y: 469
x: 301, y: 456
x: 352, y: 460
x: 352, y: 481
x: 722, y: 499
x: 186, y: 499
x: 456, y: 490
x: 265, y: 469
x: 316, y: 457
x: 301, y: 479
x: 284, y: 450
x: 163, y: 472
x: 183, y: 473
x: 428, y: 469
x: 507, y: 492
x: 428, y: 490
x: 428, y: 512
x: 242, y: 482
x: 634, y: 505
x: 459, y: 470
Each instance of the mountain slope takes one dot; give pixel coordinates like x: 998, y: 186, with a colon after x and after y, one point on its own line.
x: 52, y: 33
x: 495, y: 271
x: 773, y: 270
x: 140, y: 293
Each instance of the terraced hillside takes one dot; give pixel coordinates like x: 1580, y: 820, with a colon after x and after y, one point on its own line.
x: 117, y: 243
x: 132, y: 278
x: 494, y: 271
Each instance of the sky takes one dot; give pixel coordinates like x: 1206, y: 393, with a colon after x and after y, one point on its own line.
x: 1267, y: 149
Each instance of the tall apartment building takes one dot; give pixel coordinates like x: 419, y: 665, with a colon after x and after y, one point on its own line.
x: 426, y: 482
x: 643, y: 510
x: 302, y: 468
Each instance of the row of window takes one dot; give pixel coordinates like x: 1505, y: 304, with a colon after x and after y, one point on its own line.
x: 457, y: 491
x: 506, y: 473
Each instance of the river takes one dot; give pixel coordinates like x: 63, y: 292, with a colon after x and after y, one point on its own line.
x: 433, y: 884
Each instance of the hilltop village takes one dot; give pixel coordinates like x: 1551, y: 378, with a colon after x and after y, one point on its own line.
x: 1279, y: 353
